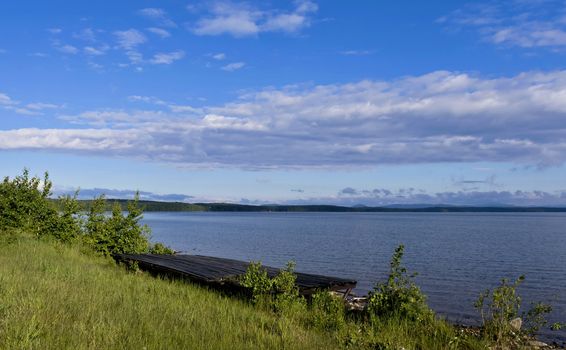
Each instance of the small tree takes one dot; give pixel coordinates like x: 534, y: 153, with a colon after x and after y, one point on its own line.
x: 502, y: 305
x: 24, y: 203
x: 399, y: 296
x: 117, y: 233
x: 68, y: 225
x: 279, y: 293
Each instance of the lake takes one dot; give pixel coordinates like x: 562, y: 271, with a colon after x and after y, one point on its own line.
x: 457, y: 255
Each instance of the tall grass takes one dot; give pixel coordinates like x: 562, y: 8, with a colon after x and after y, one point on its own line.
x: 54, y: 296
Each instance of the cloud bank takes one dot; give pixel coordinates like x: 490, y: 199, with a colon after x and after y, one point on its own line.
x: 410, y: 196
x: 91, y: 193
x: 438, y: 117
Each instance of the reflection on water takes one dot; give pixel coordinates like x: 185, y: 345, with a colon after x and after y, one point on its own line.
x: 457, y: 255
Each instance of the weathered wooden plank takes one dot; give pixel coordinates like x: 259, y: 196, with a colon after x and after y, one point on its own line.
x: 220, y: 270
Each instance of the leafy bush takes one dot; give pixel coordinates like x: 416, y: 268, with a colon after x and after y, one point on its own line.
x: 117, y: 233
x: 399, y: 296
x: 502, y: 305
x: 25, y: 205
x: 257, y: 280
x: 279, y: 293
x: 160, y: 248
x: 327, y: 311
x: 69, y: 224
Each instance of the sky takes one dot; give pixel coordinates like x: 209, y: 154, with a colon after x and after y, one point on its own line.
x: 288, y: 102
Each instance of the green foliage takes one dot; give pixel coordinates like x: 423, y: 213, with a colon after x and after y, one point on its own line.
x: 257, y: 280
x: 279, y: 293
x: 25, y: 205
x: 118, y: 233
x: 535, y: 317
x: 498, y: 307
x: 160, y: 248
x: 69, y: 224
x: 327, y: 311
x: 502, y: 306
x: 399, y: 296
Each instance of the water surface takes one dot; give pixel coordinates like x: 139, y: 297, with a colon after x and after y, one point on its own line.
x: 457, y: 255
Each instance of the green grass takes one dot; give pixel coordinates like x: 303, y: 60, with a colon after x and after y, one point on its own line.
x: 54, y: 296
x: 60, y: 296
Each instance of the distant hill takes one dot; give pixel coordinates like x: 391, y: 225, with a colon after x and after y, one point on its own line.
x: 155, y: 206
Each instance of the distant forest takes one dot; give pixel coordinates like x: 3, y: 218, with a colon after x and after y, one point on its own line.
x: 154, y: 206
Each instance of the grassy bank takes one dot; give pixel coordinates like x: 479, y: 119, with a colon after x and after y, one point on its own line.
x: 59, y: 289
x: 53, y: 296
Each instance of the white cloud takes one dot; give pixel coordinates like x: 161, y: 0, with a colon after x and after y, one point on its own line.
x: 130, y: 39
x: 39, y: 54
x: 185, y: 109
x: 36, y: 108
x: 227, y: 18
x: 219, y: 56
x: 39, y: 106
x: 71, y: 139
x: 55, y: 30
x: 68, y: 49
x: 87, y: 34
x: 241, y: 20
x: 233, y: 66
x: 89, y: 193
x: 167, y: 57
x: 134, y: 56
x: 437, y: 117
x: 157, y: 15
x: 146, y: 99
x: 521, y: 24
x: 95, y: 51
x: 172, y: 107
x: 410, y: 196
x: 215, y: 121
x: 286, y: 22
x: 159, y: 32
x: 95, y: 66
x: 357, y: 52
x: 5, y: 100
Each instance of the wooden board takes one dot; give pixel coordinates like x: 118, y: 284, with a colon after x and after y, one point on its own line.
x: 210, y: 269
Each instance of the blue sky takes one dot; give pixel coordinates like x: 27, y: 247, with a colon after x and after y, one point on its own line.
x: 380, y: 102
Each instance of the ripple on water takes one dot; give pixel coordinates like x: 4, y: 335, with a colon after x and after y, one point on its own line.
x: 457, y: 255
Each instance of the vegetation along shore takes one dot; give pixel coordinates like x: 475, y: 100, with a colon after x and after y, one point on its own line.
x: 231, y: 207
x: 61, y: 289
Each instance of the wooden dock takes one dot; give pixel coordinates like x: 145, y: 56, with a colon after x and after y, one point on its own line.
x: 220, y: 271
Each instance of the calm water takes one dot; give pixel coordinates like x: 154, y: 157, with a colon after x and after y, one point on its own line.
x: 457, y: 255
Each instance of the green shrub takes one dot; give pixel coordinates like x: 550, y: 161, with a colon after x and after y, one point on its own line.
x: 257, y: 281
x: 160, y: 248
x: 117, y: 233
x: 279, y: 293
x: 502, y: 305
x: 399, y: 296
x: 327, y: 311
x: 25, y: 205
x: 68, y: 225
x: 286, y: 292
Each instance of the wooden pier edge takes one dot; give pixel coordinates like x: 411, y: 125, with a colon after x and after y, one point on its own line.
x: 224, y: 272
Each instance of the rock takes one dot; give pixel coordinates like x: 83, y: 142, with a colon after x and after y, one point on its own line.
x: 537, y: 344
x: 516, y: 323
